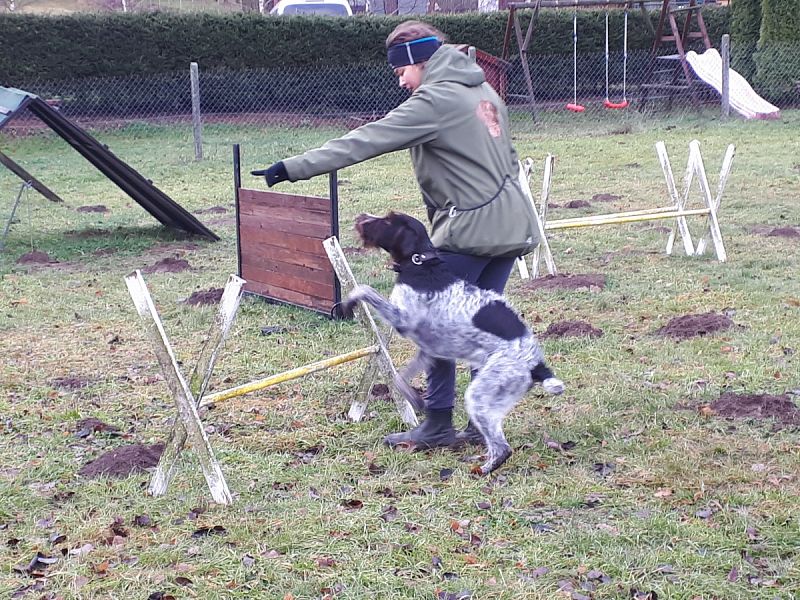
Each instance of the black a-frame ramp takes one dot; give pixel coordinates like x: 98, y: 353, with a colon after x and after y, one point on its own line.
x: 153, y: 200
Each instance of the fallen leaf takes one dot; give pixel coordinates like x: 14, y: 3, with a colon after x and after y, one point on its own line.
x: 663, y: 493
x: 205, y: 531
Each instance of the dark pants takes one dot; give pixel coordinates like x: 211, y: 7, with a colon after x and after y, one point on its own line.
x: 486, y: 273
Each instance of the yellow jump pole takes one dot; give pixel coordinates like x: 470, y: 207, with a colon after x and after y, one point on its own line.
x: 260, y: 384
x: 614, y: 219
x: 628, y: 213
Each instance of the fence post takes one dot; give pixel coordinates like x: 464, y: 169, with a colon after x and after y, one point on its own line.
x: 726, y: 72
x: 197, y: 126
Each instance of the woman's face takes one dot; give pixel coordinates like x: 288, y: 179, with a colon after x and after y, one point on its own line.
x: 409, y: 77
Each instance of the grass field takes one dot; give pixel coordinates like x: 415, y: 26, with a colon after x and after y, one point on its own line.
x: 630, y: 485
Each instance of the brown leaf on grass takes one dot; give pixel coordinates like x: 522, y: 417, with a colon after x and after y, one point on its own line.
x: 142, y: 521
x: 271, y: 554
x: 483, y: 505
x: 706, y: 411
x: 389, y: 513
x: 160, y: 596
x: 352, y: 504
x: 325, y: 562
x: 288, y: 596
x: 206, y: 531
x: 445, y: 474
x: 374, y: 469
x: 663, y: 493
x: 733, y: 575
x: 184, y: 581
x: 101, y: 568
x: 40, y: 562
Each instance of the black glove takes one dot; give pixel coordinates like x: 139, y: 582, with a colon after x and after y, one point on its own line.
x: 275, y: 174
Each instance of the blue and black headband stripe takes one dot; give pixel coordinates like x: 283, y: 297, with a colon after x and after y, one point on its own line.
x: 413, y: 52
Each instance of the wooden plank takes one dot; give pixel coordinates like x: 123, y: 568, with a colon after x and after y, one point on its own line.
x: 253, y: 235
x: 318, y: 231
x: 277, y: 266
x: 278, y: 199
x: 28, y: 178
x: 305, y: 259
x: 263, y: 211
x: 290, y: 296
x: 289, y: 282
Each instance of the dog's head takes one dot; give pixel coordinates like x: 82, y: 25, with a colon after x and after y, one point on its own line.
x: 401, y: 235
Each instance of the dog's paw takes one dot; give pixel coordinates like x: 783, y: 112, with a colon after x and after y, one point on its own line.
x: 358, y: 293
x: 553, y: 385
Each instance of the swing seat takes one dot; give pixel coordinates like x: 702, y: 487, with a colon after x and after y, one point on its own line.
x: 615, y: 105
x: 578, y: 108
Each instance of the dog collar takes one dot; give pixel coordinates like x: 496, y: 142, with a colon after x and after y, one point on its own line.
x: 418, y: 259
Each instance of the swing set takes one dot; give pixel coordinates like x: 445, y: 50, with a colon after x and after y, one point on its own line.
x: 523, y: 42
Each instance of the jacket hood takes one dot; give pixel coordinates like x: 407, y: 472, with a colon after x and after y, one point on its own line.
x: 449, y: 64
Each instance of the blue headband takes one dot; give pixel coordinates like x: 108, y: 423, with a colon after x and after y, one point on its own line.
x: 413, y: 52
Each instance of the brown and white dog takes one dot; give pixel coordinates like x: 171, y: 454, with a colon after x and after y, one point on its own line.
x: 449, y: 318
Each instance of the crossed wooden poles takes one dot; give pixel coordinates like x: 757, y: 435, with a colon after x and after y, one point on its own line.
x: 191, y: 394
x: 695, y: 169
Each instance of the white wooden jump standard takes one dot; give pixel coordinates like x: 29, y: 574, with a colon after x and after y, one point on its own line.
x: 188, y: 423
x: 379, y: 361
x: 678, y: 210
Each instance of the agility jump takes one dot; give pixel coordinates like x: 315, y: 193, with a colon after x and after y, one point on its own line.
x: 678, y: 210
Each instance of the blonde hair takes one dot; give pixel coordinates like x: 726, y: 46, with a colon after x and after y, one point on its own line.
x: 408, y: 31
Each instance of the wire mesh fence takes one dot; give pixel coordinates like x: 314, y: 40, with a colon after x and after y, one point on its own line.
x: 347, y: 96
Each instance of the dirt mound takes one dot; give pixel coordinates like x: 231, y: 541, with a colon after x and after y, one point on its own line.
x: 206, y: 297
x: 35, y: 257
x: 787, y: 232
x: 577, y: 204
x: 98, y: 208
x: 70, y: 383
x: 123, y: 461
x: 568, y: 282
x: 571, y: 329
x: 757, y: 406
x: 688, y: 326
x: 606, y: 197
x: 214, y: 210
x: 168, y: 265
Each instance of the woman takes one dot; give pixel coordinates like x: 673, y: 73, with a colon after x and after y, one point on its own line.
x: 456, y: 127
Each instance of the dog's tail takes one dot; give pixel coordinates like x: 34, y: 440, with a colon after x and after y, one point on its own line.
x: 541, y: 373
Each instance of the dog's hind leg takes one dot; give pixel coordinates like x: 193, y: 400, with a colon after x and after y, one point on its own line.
x: 541, y: 373
x: 494, y: 391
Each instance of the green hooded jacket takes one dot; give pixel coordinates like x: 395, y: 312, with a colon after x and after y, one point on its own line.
x: 456, y: 127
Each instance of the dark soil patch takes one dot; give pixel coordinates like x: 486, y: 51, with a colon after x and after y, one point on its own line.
x: 69, y: 383
x: 214, y: 210
x: 168, y: 265
x: 688, y: 326
x: 35, y: 257
x: 93, y: 425
x: 123, y: 461
x: 757, y: 406
x: 205, y: 297
x: 787, y: 232
x: 577, y: 204
x: 379, y: 390
x: 568, y: 282
x: 607, y: 197
x: 97, y: 208
x: 572, y: 329
x: 86, y: 233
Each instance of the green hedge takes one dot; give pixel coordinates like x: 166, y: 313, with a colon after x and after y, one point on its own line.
x: 102, y: 45
x: 777, y: 67
x: 745, y: 29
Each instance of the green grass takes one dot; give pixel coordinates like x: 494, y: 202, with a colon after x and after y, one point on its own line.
x: 295, y: 462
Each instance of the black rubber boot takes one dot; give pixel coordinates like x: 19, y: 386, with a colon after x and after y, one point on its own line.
x: 436, y: 431
x: 470, y: 435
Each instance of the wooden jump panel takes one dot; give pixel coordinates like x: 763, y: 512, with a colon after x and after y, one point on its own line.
x: 281, y: 255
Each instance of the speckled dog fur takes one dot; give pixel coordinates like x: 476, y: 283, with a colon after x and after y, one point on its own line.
x: 449, y: 318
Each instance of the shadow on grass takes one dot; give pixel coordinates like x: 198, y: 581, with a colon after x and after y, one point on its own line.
x: 79, y: 244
